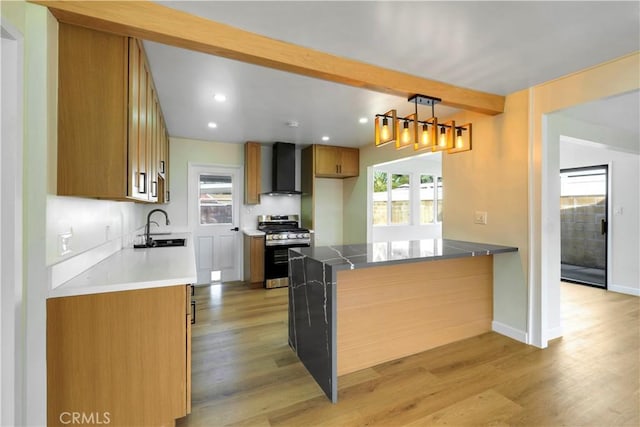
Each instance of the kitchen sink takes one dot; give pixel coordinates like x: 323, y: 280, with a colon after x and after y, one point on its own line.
x: 163, y: 243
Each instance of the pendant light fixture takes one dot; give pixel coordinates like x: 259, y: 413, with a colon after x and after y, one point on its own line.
x: 423, y: 134
x: 386, y: 128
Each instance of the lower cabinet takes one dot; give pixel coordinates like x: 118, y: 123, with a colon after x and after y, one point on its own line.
x: 119, y: 358
x: 254, y: 260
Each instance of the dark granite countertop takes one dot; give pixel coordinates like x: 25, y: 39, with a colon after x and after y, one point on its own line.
x: 397, y: 252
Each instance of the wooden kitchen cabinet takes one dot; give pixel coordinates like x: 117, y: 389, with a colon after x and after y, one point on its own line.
x: 336, y: 162
x: 252, y: 173
x: 110, y: 124
x: 122, y: 356
x: 254, y: 260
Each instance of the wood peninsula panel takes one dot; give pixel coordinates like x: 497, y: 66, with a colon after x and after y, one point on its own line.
x: 385, y: 313
x: 150, y: 21
x: 121, y: 353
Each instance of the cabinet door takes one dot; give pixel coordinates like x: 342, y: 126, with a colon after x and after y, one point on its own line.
x: 92, y: 113
x: 327, y: 161
x: 119, y: 352
x: 138, y: 173
x: 154, y: 157
x: 349, y: 162
x: 257, y: 259
x: 165, y: 138
x: 252, y: 173
x: 189, y: 318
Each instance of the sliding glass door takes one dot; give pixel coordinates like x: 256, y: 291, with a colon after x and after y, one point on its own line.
x: 583, y: 225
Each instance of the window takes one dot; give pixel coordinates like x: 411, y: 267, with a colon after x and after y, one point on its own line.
x: 427, y: 199
x: 400, y: 199
x: 380, y: 196
x: 439, y: 203
x: 215, y: 199
x: 406, y: 198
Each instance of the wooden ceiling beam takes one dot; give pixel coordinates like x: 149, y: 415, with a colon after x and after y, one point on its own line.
x: 151, y: 21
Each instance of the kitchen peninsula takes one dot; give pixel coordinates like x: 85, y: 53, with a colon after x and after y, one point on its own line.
x: 356, y: 306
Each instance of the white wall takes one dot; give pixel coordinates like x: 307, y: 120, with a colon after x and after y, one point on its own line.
x: 327, y: 225
x: 429, y: 164
x: 624, y: 223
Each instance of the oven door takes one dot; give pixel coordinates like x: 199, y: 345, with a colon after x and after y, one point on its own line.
x: 276, y: 264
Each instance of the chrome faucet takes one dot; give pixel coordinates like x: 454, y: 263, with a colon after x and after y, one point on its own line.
x: 148, y: 240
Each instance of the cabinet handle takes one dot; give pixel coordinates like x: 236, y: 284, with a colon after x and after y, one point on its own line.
x: 143, y: 183
x: 154, y: 189
x: 161, y: 166
x: 193, y: 312
x: 168, y: 196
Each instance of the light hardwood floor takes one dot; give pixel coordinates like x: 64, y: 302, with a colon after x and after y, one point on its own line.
x: 244, y: 373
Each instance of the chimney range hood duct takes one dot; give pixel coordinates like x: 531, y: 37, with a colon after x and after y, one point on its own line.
x: 283, y: 169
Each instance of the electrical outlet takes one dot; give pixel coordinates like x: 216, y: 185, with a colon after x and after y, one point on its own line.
x: 480, y: 217
x: 64, y: 243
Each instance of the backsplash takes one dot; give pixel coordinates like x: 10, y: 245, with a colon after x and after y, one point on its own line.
x: 269, y: 205
x: 90, y: 223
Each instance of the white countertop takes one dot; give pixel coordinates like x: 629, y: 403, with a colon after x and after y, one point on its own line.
x: 252, y: 232
x: 130, y: 269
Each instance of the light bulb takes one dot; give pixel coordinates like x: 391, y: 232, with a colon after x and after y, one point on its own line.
x: 459, y: 138
x: 443, y: 137
x: 405, y: 133
x: 384, y: 132
x: 425, y: 135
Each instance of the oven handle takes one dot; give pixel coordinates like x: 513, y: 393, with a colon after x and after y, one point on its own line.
x: 272, y: 243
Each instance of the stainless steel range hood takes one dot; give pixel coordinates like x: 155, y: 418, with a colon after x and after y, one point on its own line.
x: 283, y: 170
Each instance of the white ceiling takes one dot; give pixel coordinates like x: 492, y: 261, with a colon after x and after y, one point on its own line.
x: 498, y: 47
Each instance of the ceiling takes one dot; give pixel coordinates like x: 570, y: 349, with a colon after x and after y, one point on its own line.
x: 497, y: 47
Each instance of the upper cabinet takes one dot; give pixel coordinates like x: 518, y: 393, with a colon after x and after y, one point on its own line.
x: 336, y: 162
x: 112, y: 138
x: 252, y: 173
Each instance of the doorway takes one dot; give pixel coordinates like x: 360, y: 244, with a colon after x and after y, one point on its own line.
x: 214, y: 218
x: 584, y: 224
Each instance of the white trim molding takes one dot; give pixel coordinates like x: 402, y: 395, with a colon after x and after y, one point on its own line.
x: 510, y: 332
x: 625, y: 290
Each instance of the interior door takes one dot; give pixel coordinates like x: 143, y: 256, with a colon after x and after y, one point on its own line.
x: 214, y: 218
x: 584, y: 225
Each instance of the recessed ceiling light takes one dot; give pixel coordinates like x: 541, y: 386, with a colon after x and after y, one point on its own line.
x: 212, y: 125
x: 219, y: 97
x: 363, y: 120
x: 325, y: 138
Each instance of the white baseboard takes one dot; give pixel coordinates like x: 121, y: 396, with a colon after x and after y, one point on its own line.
x: 554, y: 333
x: 625, y: 290
x: 510, y: 332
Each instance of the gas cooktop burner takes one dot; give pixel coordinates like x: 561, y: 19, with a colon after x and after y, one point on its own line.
x: 283, y: 230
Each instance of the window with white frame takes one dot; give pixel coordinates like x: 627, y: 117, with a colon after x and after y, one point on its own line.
x: 394, y: 194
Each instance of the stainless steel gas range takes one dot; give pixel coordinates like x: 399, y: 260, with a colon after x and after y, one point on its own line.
x: 281, y: 233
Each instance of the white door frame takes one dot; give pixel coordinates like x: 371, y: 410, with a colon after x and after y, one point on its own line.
x: 192, y: 213
x: 11, y: 291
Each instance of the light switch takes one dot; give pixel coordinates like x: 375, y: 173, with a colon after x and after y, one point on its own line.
x: 480, y: 217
